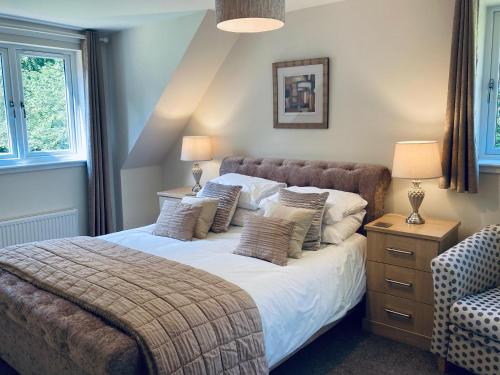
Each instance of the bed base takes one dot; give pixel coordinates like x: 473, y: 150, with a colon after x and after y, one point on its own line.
x: 356, y: 314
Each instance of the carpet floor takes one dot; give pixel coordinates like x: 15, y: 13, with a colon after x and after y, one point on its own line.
x: 347, y: 350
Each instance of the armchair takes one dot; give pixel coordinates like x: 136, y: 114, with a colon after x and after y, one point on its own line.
x: 467, y: 303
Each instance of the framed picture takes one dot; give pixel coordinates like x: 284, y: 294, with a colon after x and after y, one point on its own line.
x: 300, y: 90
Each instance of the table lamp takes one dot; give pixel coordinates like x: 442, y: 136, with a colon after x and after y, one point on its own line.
x: 416, y: 160
x: 196, y: 149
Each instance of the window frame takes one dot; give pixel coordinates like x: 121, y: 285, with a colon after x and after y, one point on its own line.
x: 74, y: 104
x: 489, y: 153
x: 9, y: 115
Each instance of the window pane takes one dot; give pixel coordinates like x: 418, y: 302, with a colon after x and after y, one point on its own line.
x: 497, y: 124
x: 497, y: 127
x: 44, y: 90
x: 4, y: 126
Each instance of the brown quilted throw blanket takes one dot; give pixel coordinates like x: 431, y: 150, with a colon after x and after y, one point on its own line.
x: 186, y: 321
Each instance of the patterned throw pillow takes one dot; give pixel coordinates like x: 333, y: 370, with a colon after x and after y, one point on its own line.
x: 266, y: 238
x: 312, y: 201
x: 228, y: 200
x: 177, y: 220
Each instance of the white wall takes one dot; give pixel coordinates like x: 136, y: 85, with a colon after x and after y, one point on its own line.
x: 141, y: 63
x: 163, y: 71
x: 144, y: 59
x: 24, y: 194
x: 140, y: 202
x: 389, y: 61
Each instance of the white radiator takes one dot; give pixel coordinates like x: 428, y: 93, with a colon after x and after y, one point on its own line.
x: 40, y: 227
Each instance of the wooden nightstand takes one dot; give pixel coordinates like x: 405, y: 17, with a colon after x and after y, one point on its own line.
x: 400, y: 292
x: 174, y: 194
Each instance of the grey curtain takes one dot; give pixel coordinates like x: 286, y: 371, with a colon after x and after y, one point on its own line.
x: 459, y: 152
x: 99, y: 177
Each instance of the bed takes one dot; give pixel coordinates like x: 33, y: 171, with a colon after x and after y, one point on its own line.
x: 41, y: 333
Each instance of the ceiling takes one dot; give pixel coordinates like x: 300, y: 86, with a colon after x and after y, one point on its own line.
x: 115, y: 14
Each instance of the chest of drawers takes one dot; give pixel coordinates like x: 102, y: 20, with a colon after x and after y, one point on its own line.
x: 399, y: 279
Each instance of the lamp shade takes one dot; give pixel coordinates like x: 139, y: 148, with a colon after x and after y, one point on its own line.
x: 250, y: 16
x: 417, y: 160
x: 196, y: 148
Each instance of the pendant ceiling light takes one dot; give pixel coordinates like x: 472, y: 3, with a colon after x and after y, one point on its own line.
x: 250, y: 16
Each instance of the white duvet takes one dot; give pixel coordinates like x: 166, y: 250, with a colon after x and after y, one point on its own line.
x: 294, y: 301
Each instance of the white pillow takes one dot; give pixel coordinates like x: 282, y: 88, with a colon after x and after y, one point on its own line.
x: 275, y: 198
x: 342, y: 230
x: 254, y: 189
x: 339, y: 204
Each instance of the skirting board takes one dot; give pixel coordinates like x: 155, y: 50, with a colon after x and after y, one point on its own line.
x: 397, y: 334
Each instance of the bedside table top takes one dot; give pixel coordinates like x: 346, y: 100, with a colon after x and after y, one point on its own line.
x: 433, y: 229
x: 176, y: 193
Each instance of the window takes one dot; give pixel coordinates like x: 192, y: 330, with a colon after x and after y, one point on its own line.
x: 39, y: 106
x: 489, y: 134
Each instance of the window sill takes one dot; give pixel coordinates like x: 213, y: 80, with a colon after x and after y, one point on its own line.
x: 22, y: 168
x: 489, y: 166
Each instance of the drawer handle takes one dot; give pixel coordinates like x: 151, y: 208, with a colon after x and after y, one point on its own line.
x: 399, y: 283
x: 404, y: 252
x: 397, y: 313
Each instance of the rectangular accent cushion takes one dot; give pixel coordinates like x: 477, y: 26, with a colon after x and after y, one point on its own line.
x: 302, y: 217
x: 228, y: 200
x: 207, y: 214
x: 266, y: 238
x: 312, y: 201
x: 177, y: 220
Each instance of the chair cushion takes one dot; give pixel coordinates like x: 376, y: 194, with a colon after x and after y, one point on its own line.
x: 473, y: 356
x: 479, y: 313
x: 471, y: 336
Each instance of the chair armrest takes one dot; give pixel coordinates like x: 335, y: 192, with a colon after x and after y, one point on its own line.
x: 470, y: 267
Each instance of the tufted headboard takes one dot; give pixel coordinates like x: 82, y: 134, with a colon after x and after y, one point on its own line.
x: 368, y: 180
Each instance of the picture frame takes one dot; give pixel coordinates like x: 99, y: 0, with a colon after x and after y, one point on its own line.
x: 301, y: 94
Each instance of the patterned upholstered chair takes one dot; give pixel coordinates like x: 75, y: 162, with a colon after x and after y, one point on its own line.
x: 467, y: 303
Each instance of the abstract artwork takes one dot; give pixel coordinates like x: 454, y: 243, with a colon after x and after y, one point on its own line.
x: 301, y: 94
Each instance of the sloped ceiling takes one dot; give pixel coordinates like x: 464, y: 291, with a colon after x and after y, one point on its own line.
x: 182, y: 94
x: 115, y: 14
x: 142, y: 62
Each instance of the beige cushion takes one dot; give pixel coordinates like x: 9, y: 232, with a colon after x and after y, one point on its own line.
x: 241, y: 214
x: 177, y: 220
x: 207, y: 214
x: 302, y: 217
x: 266, y: 238
x: 228, y: 200
x: 312, y: 201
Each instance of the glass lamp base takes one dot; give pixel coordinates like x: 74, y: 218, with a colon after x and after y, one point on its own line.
x: 415, y: 218
x: 197, y: 172
x: 416, y: 195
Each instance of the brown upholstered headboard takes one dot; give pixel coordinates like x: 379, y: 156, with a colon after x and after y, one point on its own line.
x: 369, y: 181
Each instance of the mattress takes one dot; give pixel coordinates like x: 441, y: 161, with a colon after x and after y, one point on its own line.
x: 306, y: 295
